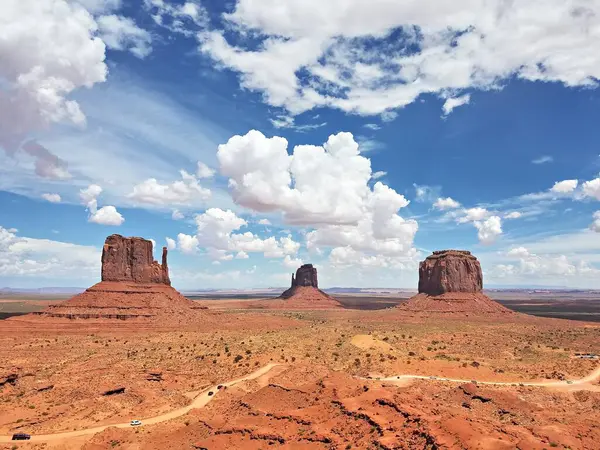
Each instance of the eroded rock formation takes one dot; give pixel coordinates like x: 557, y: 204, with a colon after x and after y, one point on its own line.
x: 451, y: 282
x: 131, y: 259
x: 306, y: 275
x: 450, y: 271
x: 133, y: 286
x: 304, y: 293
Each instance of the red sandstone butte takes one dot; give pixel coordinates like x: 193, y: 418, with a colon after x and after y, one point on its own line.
x: 450, y: 271
x: 133, y: 286
x: 451, y: 281
x: 131, y: 259
x: 304, y: 293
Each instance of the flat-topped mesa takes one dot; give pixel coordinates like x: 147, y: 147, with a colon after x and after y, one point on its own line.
x: 131, y: 260
x: 449, y: 271
x: 306, y: 275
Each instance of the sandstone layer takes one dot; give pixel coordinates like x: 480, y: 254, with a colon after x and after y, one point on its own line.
x: 131, y: 260
x: 304, y: 293
x: 450, y: 282
x: 450, y: 271
x: 133, y: 286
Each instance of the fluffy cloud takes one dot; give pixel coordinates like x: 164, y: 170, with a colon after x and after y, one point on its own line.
x: 326, y: 188
x: 513, y: 215
x: 121, y: 33
x: 216, y: 234
x: 426, y: 194
x: 178, y: 18
x: 46, y: 164
x: 473, y: 214
x: 264, y: 222
x: 171, y: 244
x: 488, y: 230
x: 378, y: 175
x: 446, y: 203
x: 183, y: 192
x: 62, y: 55
x: 291, y: 263
x: 107, y: 215
x: 519, y: 252
x: 52, y: 198
x: 186, y: 243
x: 203, y: 171
x: 327, y: 184
x: 343, y: 54
x: 455, y: 102
x: 595, y: 226
x: 592, y: 188
x: 564, y: 187
x: 530, y: 265
x: 89, y: 196
x: 29, y: 257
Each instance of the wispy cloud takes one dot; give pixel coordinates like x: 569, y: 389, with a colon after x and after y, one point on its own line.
x: 543, y: 160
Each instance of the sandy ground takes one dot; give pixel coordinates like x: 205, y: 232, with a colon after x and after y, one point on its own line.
x: 53, y: 377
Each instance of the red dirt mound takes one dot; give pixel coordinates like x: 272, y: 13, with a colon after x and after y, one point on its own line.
x: 454, y: 303
x: 304, y: 297
x: 112, y: 300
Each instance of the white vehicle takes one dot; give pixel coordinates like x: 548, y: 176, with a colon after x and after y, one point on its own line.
x: 135, y: 423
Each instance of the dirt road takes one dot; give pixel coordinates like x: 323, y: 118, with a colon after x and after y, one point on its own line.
x: 595, y: 375
x: 199, y: 401
x: 203, y: 398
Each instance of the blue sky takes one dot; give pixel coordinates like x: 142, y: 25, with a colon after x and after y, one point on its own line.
x: 356, y: 135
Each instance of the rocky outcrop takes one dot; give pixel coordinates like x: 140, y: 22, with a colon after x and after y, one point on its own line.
x: 133, y: 287
x: 306, y: 275
x: 304, y: 293
x: 131, y: 260
x: 450, y: 282
x: 450, y: 271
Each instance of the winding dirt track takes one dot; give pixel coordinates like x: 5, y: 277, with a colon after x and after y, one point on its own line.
x: 199, y: 401
x: 203, y: 398
x: 595, y: 375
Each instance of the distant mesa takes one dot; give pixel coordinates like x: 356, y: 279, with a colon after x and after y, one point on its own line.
x: 304, y: 293
x: 133, y: 286
x: 451, y: 281
x: 450, y: 271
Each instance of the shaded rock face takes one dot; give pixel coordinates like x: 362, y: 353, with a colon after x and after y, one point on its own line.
x: 131, y: 259
x: 450, y: 271
x: 306, y: 275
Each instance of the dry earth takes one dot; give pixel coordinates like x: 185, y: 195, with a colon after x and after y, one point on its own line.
x: 53, y: 377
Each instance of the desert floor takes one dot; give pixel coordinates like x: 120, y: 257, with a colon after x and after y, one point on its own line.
x: 301, y: 379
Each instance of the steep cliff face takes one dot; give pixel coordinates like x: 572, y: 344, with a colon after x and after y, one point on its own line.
x: 306, y: 275
x: 450, y: 271
x: 131, y: 260
x: 304, y: 293
x: 451, y: 283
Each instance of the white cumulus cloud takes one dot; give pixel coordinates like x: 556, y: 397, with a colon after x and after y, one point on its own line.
x: 52, y: 198
x: 107, y: 215
x: 346, y: 54
x: 121, y: 33
x: 186, y: 191
x: 489, y: 229
x: 564, y: 187
x: 446, y: 203
x: 455, y: 102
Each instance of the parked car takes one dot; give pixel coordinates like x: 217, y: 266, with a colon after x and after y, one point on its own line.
x: 135, y: 423
x: 21, y: 437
